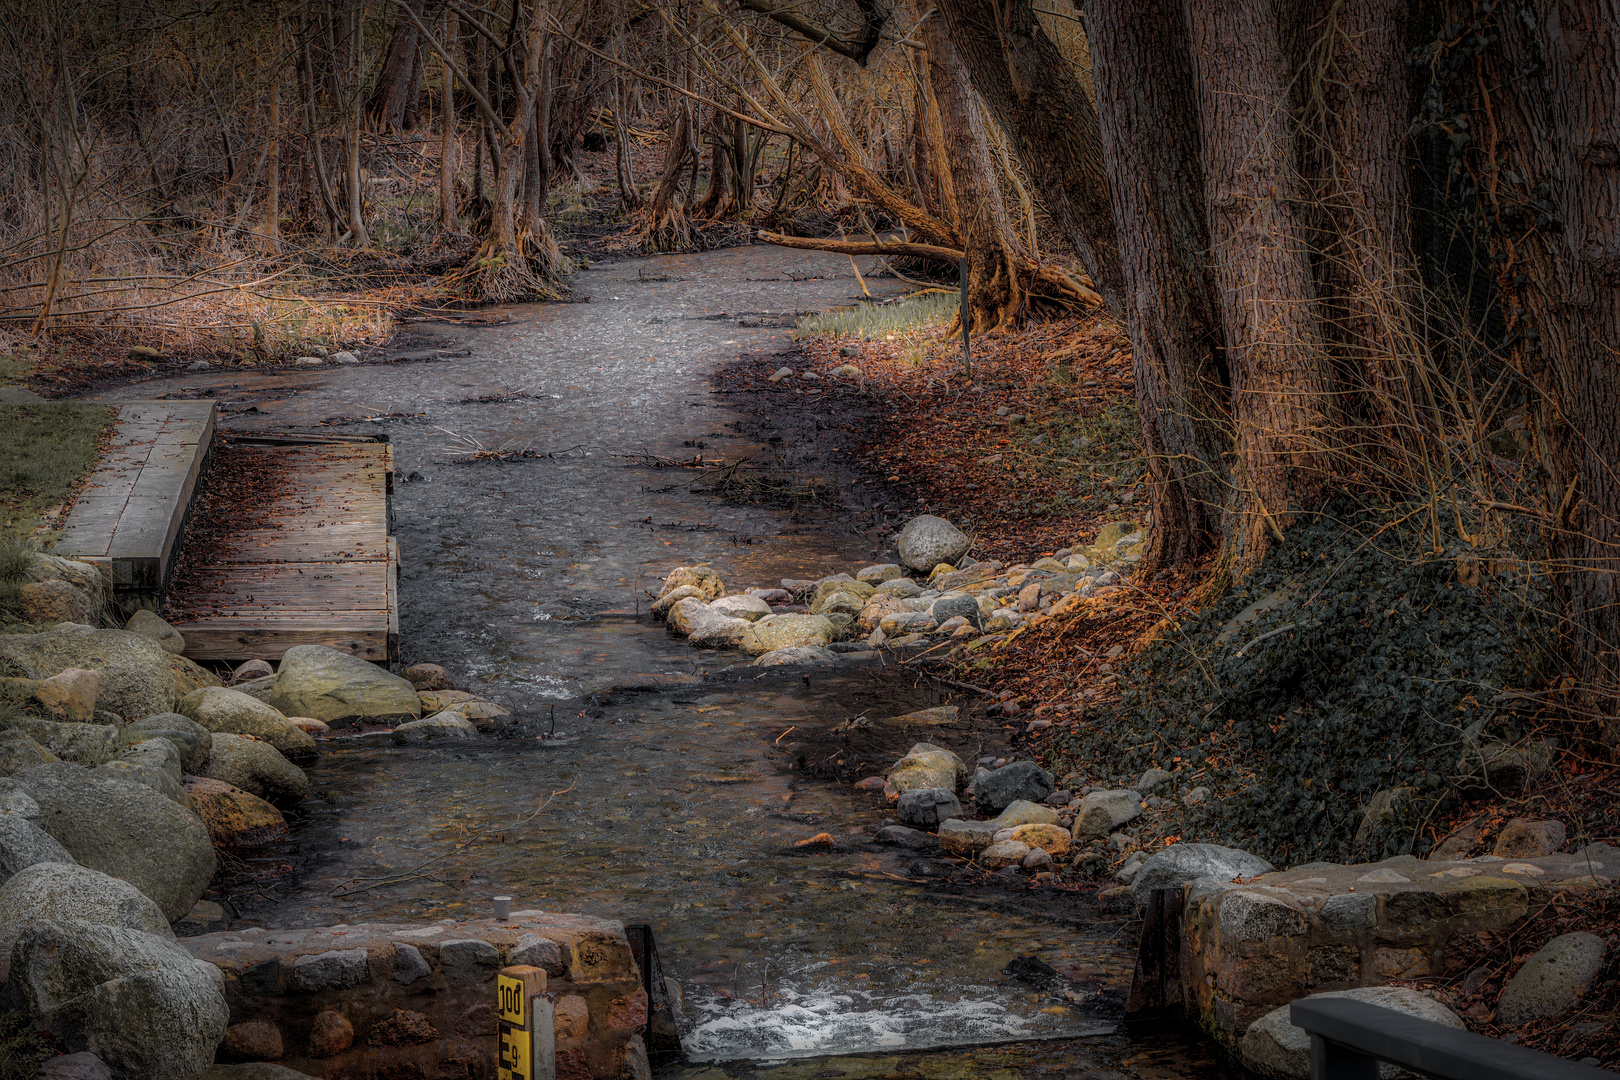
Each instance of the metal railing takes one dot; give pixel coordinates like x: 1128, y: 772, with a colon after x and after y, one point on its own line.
x: 1349, y: 1038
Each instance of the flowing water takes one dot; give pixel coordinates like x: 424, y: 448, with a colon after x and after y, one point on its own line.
x: 677, y: 804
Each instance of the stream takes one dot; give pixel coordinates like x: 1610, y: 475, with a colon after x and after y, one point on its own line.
x: 676, y: 794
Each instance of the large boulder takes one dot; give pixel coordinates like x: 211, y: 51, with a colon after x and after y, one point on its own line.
x: 151, y: 624
x: 742, y: 606
x: 958, y: 605
x: 235, y: 713
x: 966, y: 838
x: 155, y: 763
x: 84, y: 744
x: 1181, y: 863
x: 56, y: 602
x: 784, y: 632
x: 189, y: 738
x: 126, y: 830
x: 255, y: 767
x: 320, y: 682
x: 234, y: 817
x: 701, y: 578
x: 19, y: 751
x: 1101, y: 812
x: 190, y: 675
x: 69, y: 695
x: 134, y: 999
x: 1274, y: 1047
x: 1553, y: 981
x: 1024, y: 780
x: 925, y: 808
x: 43, y: 567
x: 65, y: 890
x: 926, y: 541
x: 693, y: 619
x: 442, y: 725
x: 23, y: 844
x: 135, y: 676
x: 925, y: 765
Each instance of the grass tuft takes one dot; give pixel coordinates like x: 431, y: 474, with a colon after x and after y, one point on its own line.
x: 46, y: 449
x: 874, y: 322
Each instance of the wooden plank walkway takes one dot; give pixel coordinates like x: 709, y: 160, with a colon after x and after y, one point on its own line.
x: 131, y: 514
x: 323, y: 571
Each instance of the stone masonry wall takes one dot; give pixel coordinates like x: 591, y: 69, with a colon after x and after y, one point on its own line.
x: 417, y: 1002
x: 1248, y: 947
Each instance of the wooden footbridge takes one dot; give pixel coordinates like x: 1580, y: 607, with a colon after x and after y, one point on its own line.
x: 316, y: 565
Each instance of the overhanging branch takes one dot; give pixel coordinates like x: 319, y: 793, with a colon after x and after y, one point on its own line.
x: 873, y: 18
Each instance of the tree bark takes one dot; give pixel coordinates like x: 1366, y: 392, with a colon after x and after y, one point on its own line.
x: 449, y: 148
x: 1148, y: 116
x: 1551, y: 181
x: 272, y: 195
x: 1031, y: 89
x: 400, y: 79
x: 1279, y: 377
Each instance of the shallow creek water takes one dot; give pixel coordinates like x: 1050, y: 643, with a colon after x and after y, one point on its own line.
x: 677, y: 807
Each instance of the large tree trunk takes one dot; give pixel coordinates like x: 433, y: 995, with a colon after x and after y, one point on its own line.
x: 665, y: 227
x: 1032, y: 90
x: 449, y: 147
x: 400, y: 79
x: 1354, y: 84
x: 994, y: 295
x: 1553, y: 191
x: 1149, y: 122
x: 1279, y: 374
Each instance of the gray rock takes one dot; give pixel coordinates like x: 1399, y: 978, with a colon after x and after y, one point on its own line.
x: 153, y: 762
x: 924, y: 808
x: 190, y: 739
x: 151, y: 624
x: 1274, y: 1047
x: 81, y: 1066
x: 1504, y: 767
x: 1196, y: 796
x: 82, y: 744
x: 877, y: 575
x: 926, y: 541
x: 742, y: 606
x: 900, y: 836
x: 336, y: 969
x: 1181, y: 863
x: 1153, y: 780
x: 469, y: 960
x: 785, y: 632
x: 255, y: 767
x: 230, y: 711
x: 444, y: 725
x: 696, y: 621
x: 1102, y: 812
x: 958, y: 605
x: 14, y: 799
x: 1020, y: 780
x: 409, y: 966
x: 136, y: 1000
x: 82, y: 575
x: 797, y: 654
x: 252, y: 670
x: 1257, y: 916
x: 900, y: 588
x: 19, y: 751
x: 967, y: 838
x: 1380, y: 812
x: 126, y: 830
x: 23, y: 844
x: 1346, y: 912
x: 134, y: 670
x: 1522, y: 838
x: 328, y: 685
x: 66, y: 890
x: 1553, y: 981
x: 536, y: 951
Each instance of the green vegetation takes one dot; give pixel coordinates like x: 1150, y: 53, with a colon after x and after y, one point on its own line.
x: 1352, y: 661
x: 22, y: 1049
x: 46, y: 449
x: 874, y: 322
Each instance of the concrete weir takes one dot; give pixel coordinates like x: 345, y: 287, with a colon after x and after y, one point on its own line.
x: 407, y: 1001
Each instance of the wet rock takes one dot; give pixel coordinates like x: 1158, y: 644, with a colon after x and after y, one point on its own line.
x: 222, y: 710
x: 1037, y: 861
x: 255, y: 1040
x: 24, y: 844
x: 1002, y: 853
x: 234, y: 818
x: 901, y: 836
x: 81, y: 1066
x: 958, y: 606
x: 1553, y: 981
x: 838, y: 583
x: 19, y: 751
x: 966, y: 838
x: 331, y: 1033
x: 329, y: 685
x: 742, y: 606
x: 253, y: 669
x: 839, y: 603
x: 1180, y: 863
x: 1523, y: 838
x: 337, y: 969
x: 926, y: 541
x: 925, y: 765
x: 70, y: 695
x: 1274, y: 1047
x: 155, y: 763
x: 151, y: 624
x: 661, y: 606
x: 444, y: 725
x: 134, y: 670
x: 925, y: 808
x: 65, y: 890
x: 190, y: 739
x: 693, y: 619
x: 877, y: 575
x: 785, y: 631
x: 1019, y: 781
x: 700, y: 577
x: 798, y: 654
x: 126, y: 830
x: 1102, y: 812
x: 255, y: 767
x: 309, y: 725
x: 1052, y: 839
x: 1153, y: 780
x: 426, y: 677
x: 55, y: 602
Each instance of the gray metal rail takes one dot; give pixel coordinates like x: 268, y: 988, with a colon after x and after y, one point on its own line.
x: 1349, y: 1038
